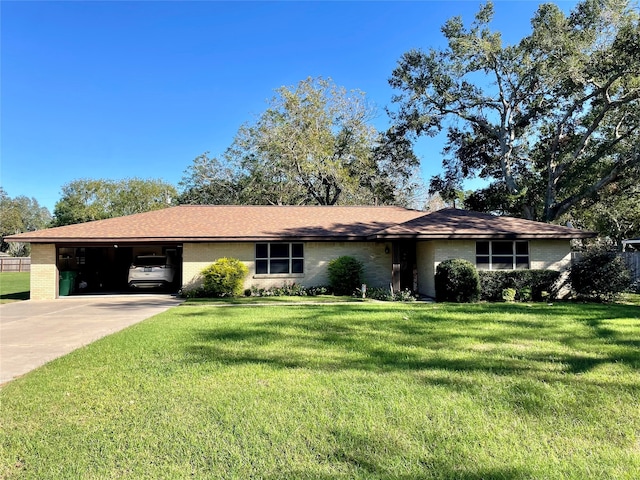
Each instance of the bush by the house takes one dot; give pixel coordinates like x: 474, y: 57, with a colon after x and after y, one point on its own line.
x: 599, y: 275
x: 528, y: 284
x: 386, y: 295
x: 224, y: 278
x: 457, y: 281
x: 345, y: 275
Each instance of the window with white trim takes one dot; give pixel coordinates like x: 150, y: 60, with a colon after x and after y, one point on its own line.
x: 502, y: 254
x: 279, y: 258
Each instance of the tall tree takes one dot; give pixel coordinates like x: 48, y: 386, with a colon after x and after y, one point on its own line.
x: 20, y: 214
x: 614, y: 212
x: 548, y: 122
x: 211, y: 180
x: 86, y: 199
x: 315, y: 145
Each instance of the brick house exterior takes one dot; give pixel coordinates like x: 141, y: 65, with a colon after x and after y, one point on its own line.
x: 399, y: 247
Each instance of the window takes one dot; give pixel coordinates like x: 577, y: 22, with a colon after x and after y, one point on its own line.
x: 279, y: 258
x: 502, y: 255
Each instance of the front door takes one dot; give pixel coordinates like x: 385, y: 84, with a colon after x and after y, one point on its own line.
x: 404, y: 265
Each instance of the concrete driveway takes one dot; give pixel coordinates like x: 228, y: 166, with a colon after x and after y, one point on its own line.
x: 35, y: 332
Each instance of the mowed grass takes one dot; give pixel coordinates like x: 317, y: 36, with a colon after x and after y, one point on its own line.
x: 14, y: 286
x: 353, y: 391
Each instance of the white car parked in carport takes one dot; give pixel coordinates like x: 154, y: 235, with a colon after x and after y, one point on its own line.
x: 151, y: 271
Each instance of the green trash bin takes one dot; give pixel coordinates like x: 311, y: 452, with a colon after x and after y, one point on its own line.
x: 67, y: 282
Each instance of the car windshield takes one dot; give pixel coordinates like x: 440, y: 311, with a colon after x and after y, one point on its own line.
x: 148, y: 261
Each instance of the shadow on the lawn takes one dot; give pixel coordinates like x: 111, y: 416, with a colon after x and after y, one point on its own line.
x: 321, y: 339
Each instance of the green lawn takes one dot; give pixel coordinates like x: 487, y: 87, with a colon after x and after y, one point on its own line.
x: 14, y: 286
x: 350, y: 391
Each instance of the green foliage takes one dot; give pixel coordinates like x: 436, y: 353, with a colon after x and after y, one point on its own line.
x: 457, y: 280
x: 556, y: 124
x: 509, y: 294
x: 345, y: 275
x: 18, y: 215
x: 314, y: 144
x: 377, y: 293
x: 599, y: 275
x: 386, y: 295
x: 224, y: 278
x: 211, y: 181
x: 86, y: 200
x: 614, y: 212
x: 529, y: 284
x: 289, y: 290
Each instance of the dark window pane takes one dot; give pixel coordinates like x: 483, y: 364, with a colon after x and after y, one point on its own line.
x: 279, y: 250
x: 262, y: 250
x: 297, y: 250
x: 502, y: 248
x: 261, y: 266
x: 482, y: 248
x: 524, y: 265
x: 522, y: 248
x: 297, y: 266
x: 279, y: 266
x: 502, y: 263
x: 482, y: 259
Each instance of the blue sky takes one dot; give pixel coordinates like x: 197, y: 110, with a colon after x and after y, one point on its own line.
x: 122, y: 89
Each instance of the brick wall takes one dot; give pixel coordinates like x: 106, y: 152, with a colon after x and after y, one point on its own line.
x: 550, y: 254
x: 44, y: 273
x: 377, y: 271
x: 543, y: 254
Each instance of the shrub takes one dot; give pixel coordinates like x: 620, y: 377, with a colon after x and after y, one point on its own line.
x: 529, y: 284
x: 380, y: 293
x: 405, y: 295
x: 224, y: 278
x: 457, y: 281
x: 288, y: 290
x: 599, y: 275
x: 509, y: 294
x: 345, y: 275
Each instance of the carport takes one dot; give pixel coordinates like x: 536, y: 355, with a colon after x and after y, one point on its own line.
x: 103, y: 268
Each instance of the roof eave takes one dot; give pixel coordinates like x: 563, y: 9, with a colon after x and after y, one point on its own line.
x: 489, y: 236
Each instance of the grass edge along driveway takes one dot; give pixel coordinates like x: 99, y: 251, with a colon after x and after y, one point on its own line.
x: 339, y: 391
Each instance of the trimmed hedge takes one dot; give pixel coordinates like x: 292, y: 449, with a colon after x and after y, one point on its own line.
x: 224, y: 278
x: 345, y: 275
x: 457, y: 281
x: 528, y: 284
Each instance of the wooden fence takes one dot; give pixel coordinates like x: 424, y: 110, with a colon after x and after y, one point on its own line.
x: 632, y: 259
x: 15, y: 264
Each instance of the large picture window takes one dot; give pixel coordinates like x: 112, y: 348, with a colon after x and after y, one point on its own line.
x: 279, y: 258
x: 502, y: 255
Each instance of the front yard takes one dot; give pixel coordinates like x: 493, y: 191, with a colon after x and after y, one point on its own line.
x: 362, y: 390
x: 14, y: 286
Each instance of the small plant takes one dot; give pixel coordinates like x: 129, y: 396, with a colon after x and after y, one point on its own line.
x: 345, y: 275
x: 509, y: 294
x: 379, y: 293
x: 224, y: 278
x: 457, y: 281
x: 288, y: 290
x: 525, y: 294
x: 405, y: 295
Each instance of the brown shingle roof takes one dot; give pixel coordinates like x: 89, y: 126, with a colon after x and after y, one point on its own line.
x: 189, y: 223
x: 228, y: 223
x: 456, y: 223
